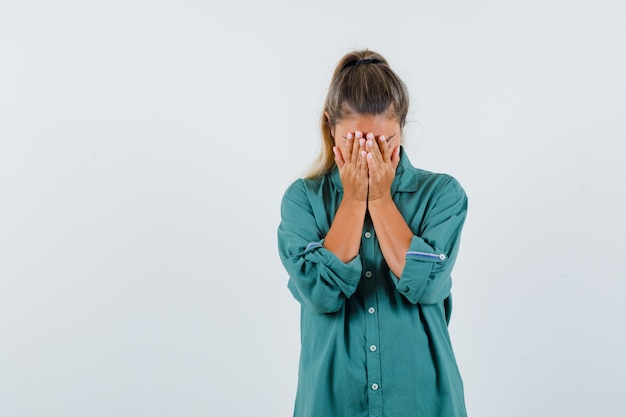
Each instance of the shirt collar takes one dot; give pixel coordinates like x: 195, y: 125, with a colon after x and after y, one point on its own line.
x: 405, y: 180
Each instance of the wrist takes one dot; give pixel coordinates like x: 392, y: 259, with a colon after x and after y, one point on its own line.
x: 378, y: 201
x: 354, y: 203
x: 356, y: 198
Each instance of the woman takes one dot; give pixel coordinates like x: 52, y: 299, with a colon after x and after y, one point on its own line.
x: 369, y: 242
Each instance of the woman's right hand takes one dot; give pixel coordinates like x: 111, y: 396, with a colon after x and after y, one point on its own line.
x: 352, y: 164
x: 344, y: 236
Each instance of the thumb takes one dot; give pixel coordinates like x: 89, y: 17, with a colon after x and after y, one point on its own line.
x: 338, y: 157
x: 395, y: 158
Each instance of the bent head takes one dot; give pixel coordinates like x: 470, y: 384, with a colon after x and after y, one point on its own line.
x: 365, y: 95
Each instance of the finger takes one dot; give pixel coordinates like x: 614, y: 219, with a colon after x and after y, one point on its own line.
x: 374, y: 153
x: 373, y: 146
x: 352, y: 143
x: 384, y: 148
x: 357, y: 159
x: 358, y: 144
x: 359, y: 147
x: 348, y: 148
x: 363, y: 166
x: 372, y: 166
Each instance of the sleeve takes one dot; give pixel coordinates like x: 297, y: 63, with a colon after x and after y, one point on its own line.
x: 318, y: 279
x: 426, y: 278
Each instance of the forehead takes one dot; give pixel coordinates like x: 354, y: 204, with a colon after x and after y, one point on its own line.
x: 379, y: 124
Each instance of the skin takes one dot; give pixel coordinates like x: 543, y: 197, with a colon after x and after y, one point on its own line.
x: 367, y: 153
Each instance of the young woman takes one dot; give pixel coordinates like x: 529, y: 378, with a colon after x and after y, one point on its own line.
x: 369, y: 243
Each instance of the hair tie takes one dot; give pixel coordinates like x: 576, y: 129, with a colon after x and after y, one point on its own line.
x: 358, y: 62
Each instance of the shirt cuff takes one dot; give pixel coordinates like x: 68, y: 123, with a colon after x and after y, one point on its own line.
x: 416, y: 275
x: 346, y: 275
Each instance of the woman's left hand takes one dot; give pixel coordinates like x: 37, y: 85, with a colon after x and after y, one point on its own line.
x: 382, y: 163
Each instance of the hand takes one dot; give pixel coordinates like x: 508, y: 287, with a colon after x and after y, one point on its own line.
x: 382, y: 163
x: 353, y: 167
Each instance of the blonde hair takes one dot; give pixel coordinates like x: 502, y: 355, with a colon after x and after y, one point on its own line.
x: 363, y: 84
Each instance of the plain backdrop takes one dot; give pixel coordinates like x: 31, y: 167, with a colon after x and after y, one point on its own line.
x: 145, y: 147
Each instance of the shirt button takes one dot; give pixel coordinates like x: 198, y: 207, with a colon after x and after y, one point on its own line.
x: 373, y: 348
x: 371, y: 310
x: 368, y: 235
x: 442, y: 257
x: 375, y: 387
x: 368, y: 274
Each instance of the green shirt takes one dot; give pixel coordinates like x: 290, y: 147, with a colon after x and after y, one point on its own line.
x: 372, y: 344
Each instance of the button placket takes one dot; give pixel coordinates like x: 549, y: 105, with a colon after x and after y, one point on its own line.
x: 370, y: 259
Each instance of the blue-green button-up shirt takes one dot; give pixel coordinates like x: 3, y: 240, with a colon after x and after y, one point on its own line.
x: 374, y: 344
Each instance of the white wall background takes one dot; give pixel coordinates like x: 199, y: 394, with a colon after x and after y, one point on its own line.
x: 145, y: 146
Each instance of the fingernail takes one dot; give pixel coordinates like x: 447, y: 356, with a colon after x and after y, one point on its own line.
x: 361, y: 141
x: 349, y: 136
x: 369, y: 143
x: 370, y: 136
x: 363, y: 154
x: 358, y: 134
x: 382, y: 138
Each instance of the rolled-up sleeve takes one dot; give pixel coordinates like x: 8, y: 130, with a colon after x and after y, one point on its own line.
x: 426, y: 277
x: 318, y: 279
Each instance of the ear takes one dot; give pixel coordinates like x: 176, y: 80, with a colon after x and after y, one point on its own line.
x: 332, y: 128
